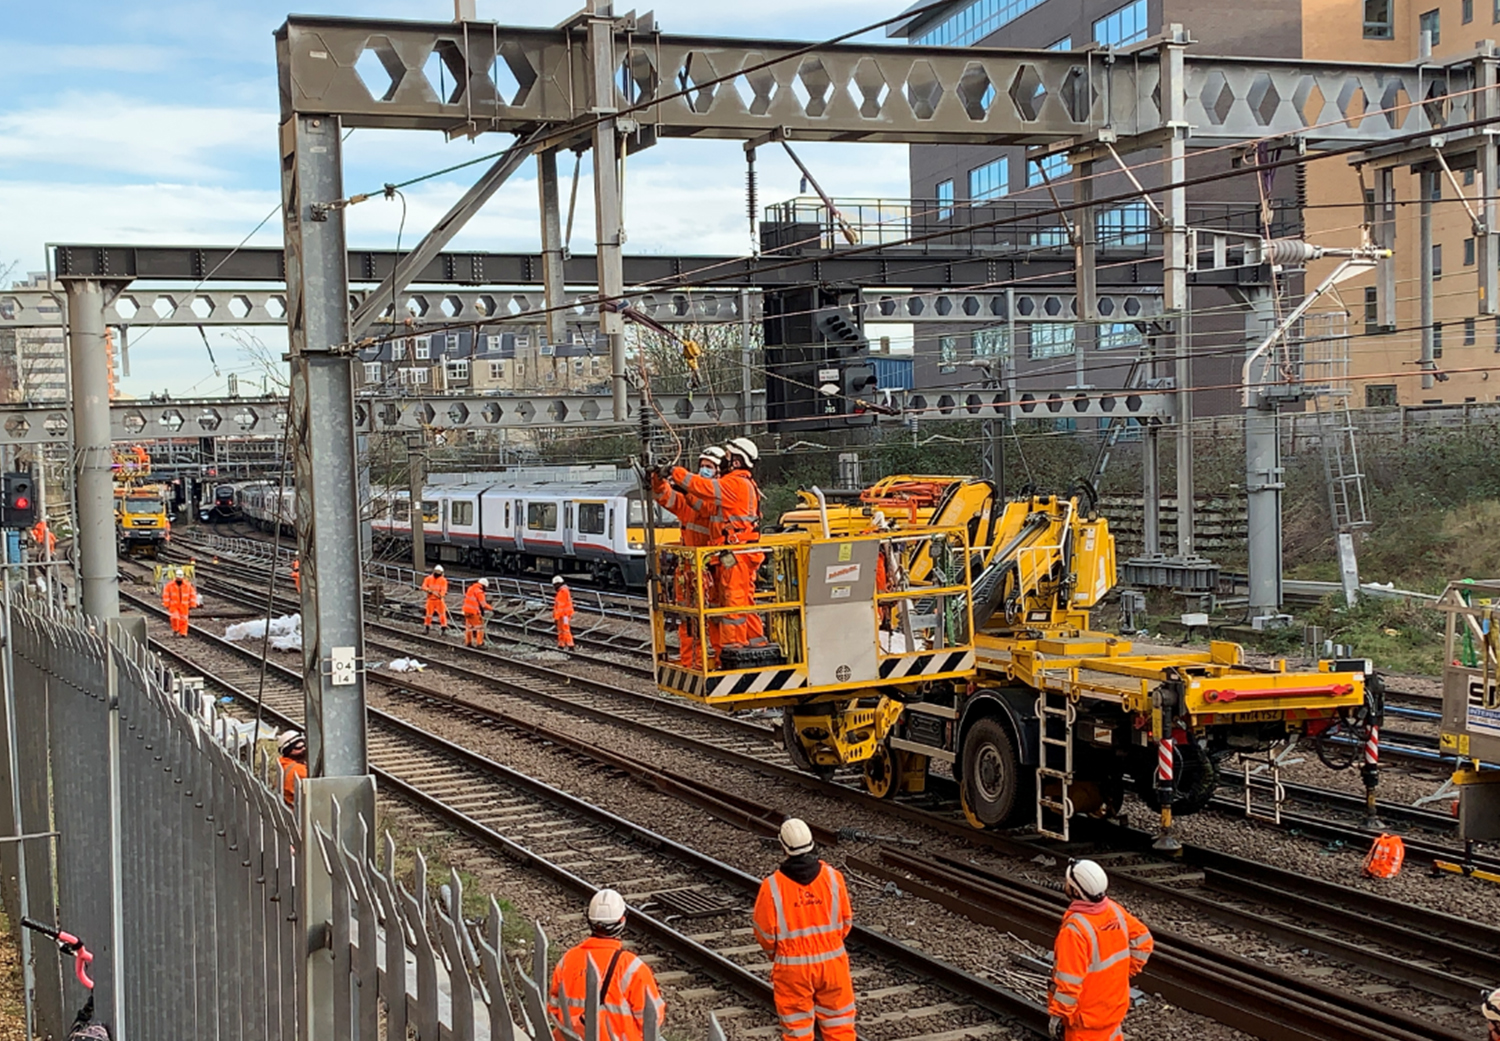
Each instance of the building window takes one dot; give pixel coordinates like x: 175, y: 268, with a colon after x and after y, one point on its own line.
x: 1054, y: 166
x: 1051, y: 340
x: 372, y: 372
x: 992, y: 343
x: 1055, y: 238
x: 1372, y: 311
x: 1467, y: 9
x: 1123, y: 227
x: 452, y: 343
x: 424, y: 348
x: 1380, y: 395
x: 945, y: 199
x: 1126, y: 25
x: 497, y: 370
x: 1469, y: 332
x: 414, y: 377
x: 947, y: 354
x: 1468, y: 252
x: 458, y: 370
x: 1469, y: 176
x: 1495, y: 14
x: 1378, y: 25
x: 1065, y: 44
x: 492, y: 343
x: 990, y: 180
x: 1432, y: 22
x: 1437, y: 339
x: 1437, y: 260
x: 1117, y: 335
x: 974, y: 22
x: 398, y: 350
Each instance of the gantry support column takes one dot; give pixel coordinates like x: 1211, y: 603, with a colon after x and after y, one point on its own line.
x: 1427, y: 182
x: 416, y: 480
x: 1085, y: 241
x: 92, y: 459
x: 1175, y: 291
x: 1487, y: 170
x: 608, y: 229
x: 321, y: 422
x: 1385, y: 238
x: 553, y: 248
x: 1264, y: 477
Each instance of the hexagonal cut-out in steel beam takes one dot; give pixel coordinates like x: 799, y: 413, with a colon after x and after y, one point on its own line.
x: 210, y: 419
x: 18, y: 427
x: 636, y: 78
x: 975, y: 91
x: 491, y: 413
x: 134, y: 421
x: 1264, y: 99
x: 1309, y: 100
x: 380, y: 68
x: 424, y: 414
x: 246, y: 418
x: 1395, y: 103
x: 697, y: 69
x: 388, y: 415
x: 683, y: 409
x: 557, y: 411
x: 127, y: 306
x: 813, y: 87
x: 923, y: 89
x: 458, y: 413
x: 1216, y: 97
x: 240, y: 305
x: 56, y: 424
x: 868, y: 88
x: 1437, y: 104
x: 1352, y: 102
x: 1107, y: 403
x: 522, y: 76
x: 1078, y: 94
x: 172, y: 420
x: 589, y: 410
x: 756, y: 90
x: 446, y: 71
x: 1028, y: 93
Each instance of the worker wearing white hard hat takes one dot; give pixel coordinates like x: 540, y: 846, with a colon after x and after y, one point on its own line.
x: 179, y: 596
x: 562, y: 612
x: 475, y: 608
x: 802, y: 915
x: 1098, y: 949
x: 1490, y: 1008
x: 693, y: 515
x: 292, y: 748
x: 625, y: 984
x: 435, y: 586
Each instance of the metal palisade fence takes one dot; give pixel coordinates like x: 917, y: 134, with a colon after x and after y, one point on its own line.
x: 134, y: 818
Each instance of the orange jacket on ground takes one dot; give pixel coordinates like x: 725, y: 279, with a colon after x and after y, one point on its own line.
x: 695, y: 522
x: 435, y: 586
x: 474, y: 601
x: 562, y: 604
x: 803, y: 925
x: 731, y: 503
x: 291, y: 771
x: 1099, y: 947
x: 178, y: 595
x: 622, y: 1008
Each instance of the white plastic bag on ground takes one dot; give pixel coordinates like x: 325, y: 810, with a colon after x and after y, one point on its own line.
x: 406, y: 665
x: 287, y: 627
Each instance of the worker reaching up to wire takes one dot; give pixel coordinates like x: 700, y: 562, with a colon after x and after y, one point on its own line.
x: 692, y: 514
x: 475, y: 608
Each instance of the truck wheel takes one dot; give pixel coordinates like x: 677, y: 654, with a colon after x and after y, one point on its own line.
x: 796, y: 752
x: 995, y: 788
x: 1196, y: 774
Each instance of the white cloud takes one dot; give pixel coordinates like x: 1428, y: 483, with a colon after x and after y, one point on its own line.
x: 112, y: 133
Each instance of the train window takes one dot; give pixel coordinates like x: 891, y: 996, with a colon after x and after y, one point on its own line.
x: 429, y: 511
x: 462, y: 514
x: 591, y: 518
x: 507, y: 516
x: 402, y: 510
x: 638, y: 515
x: 541, y: 516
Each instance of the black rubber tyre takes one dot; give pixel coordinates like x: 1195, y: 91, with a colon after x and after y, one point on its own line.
x: 797, y: 753
x: 1197, y: 780
x: 997, y: 788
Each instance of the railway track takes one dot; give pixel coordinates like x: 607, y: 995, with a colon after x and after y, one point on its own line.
x: 692, y: 904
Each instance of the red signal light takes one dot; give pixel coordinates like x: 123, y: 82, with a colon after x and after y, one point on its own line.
x: 22, y: 503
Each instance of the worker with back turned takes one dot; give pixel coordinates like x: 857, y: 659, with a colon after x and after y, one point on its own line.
x: 1098, y: 949
x: 436, y: 588
x: 625, y: 982
x: 802, y: 915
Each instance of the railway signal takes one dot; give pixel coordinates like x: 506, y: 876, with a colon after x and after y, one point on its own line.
x: 17, y: 501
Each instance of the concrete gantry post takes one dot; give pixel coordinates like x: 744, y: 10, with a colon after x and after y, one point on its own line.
x: 1427, y: 182
x: 1385, y: 237
x: 553, y: 247
x: 609, y: 230
x: 416, y: 479
x: 1175, y: 290
x: 1263, y: 470
x: 93, y: 460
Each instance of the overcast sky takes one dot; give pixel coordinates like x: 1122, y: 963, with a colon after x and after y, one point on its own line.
x: 154, y: 122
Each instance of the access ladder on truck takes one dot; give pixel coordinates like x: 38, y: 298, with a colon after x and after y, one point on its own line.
x: 1056, y: 715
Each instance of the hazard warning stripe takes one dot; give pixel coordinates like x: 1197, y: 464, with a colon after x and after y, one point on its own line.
x: 757, y: 682
x: 926, y: 664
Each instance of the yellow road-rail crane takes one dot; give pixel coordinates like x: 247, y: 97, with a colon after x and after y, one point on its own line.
x: 962, y: 637
x: 141, y: 521
x: 1471, y: 710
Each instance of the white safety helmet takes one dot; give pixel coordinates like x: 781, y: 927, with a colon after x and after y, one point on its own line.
x: 181, y: 573
x: 1085, y: 880
x: 438, y: 569
x: 484, y: 583
x: 557, y: 580
x: 607, y: 911
x: 878, y: 521
x: 796, y: 837
x: 713, y: 453
x: 287, y: 740
x: 1491, y: 1006
x: 744, y: 449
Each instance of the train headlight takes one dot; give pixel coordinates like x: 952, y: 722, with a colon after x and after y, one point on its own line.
x: 636, y: 545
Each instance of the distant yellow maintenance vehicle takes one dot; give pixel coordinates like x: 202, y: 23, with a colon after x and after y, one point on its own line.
x: 962, y: 637
x: 141, y: 522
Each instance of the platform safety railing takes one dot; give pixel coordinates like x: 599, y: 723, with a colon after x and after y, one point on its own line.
x: 184, y: 873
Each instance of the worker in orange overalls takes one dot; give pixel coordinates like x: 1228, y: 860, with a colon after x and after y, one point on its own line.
x: 297, y: 574
x: 732, y: 503
x: 1098, y: 949
x: 802, y: 915
x: 694, y: 517
x: 626, y: 983
x: 293, y: 747
x: 436, y: 588
x: 45, y: 541
x: 475, y: 608
x: 879, y: 524
x: 562, y: 612
x: 178, y: 596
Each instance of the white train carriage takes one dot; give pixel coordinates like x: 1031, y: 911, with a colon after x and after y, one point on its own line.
x: 525, y: 524
x: 267, y: 505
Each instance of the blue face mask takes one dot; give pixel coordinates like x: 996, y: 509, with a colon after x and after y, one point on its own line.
x: 706, y: 471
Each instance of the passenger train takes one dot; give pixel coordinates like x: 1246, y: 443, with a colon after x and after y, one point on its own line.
x: 543, y: 520
x: 256, y: 502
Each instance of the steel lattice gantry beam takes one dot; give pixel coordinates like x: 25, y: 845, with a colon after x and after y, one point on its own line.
x: 506, y: 78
